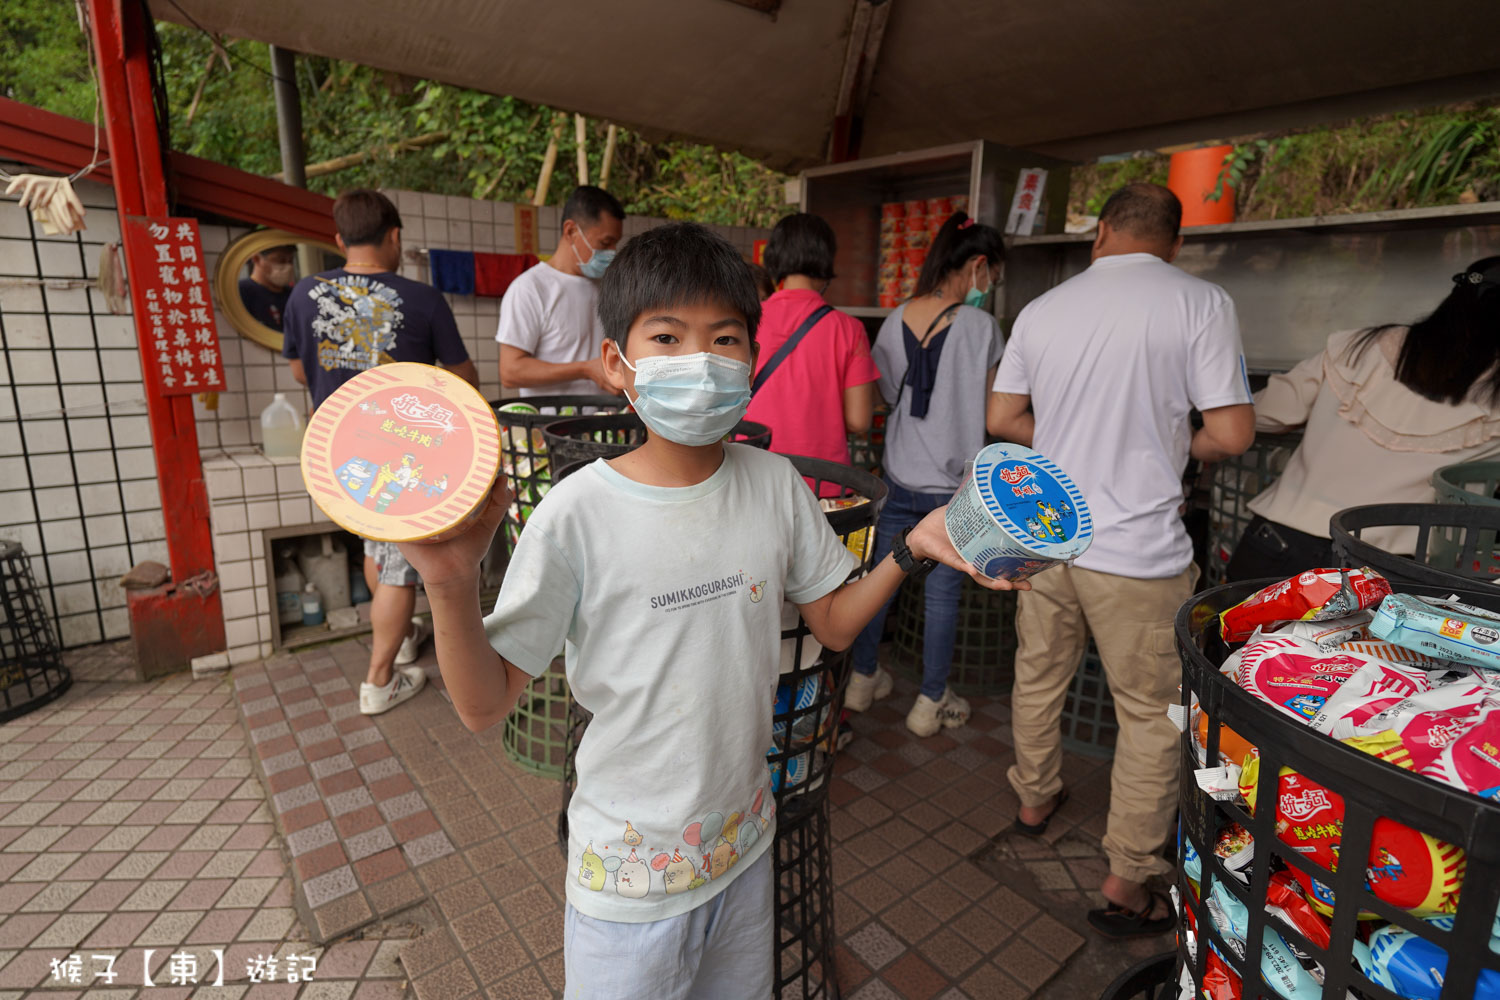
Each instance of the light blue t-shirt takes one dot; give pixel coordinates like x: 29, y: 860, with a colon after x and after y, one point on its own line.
x: 669, y: 600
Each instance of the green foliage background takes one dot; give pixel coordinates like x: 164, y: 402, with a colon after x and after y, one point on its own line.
x: 494, y: 149
x: 1437, y: 156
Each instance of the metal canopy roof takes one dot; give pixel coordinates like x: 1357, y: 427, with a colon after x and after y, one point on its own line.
x: 1072, y: 78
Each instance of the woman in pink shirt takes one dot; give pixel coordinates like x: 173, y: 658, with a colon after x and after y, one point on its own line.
x: 823, y: 388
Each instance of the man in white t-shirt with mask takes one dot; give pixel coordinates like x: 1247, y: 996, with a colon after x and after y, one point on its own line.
x: 1100, y: 375
x: 549, y: 332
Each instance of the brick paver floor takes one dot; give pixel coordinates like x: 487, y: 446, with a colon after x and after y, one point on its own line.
x: 132, y: 827
x: 936, y: 897
x: 410, y: 857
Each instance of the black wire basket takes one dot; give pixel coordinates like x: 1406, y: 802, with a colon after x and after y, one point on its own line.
x: 583, y: 439
x: 523, y: 452
x: 1454, y: 544
x: 1152, y: 979
x: 31, y: 667
x: 1370, y: 789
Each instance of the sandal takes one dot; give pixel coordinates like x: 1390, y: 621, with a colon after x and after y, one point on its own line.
x: 1115, y: 921
x: 1037, y: 829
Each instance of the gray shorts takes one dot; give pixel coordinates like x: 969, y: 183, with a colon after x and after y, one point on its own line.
x: 391, y: 566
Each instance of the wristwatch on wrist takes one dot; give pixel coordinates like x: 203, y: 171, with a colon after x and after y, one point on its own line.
x: 914, y: 568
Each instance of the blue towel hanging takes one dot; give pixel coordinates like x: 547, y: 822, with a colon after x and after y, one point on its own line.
x: 452, y: 271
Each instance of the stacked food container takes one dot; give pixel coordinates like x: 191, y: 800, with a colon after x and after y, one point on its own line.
x: 907, y: 229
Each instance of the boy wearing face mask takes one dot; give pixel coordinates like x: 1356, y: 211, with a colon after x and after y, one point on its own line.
x: 269, y: 285
x: 549, y: 331
x: 664, y: 572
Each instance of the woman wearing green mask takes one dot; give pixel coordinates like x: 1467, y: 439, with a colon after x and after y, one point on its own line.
x: 937, y: 355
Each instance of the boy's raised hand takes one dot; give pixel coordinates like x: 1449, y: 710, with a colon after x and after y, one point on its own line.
x: 929, y: 540
x: 453, y: 558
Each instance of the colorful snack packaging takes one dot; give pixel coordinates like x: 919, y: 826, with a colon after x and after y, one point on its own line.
x: 1445, y: 629
x: 1286, y: 901
x: 1329, y: 635
x: 1406, y: 868
x: 1428, y: 721
x: 1471, y: 760
x: 1234, y: 847
x: 1385, y: 650
x: 1316, y: 595
x: 1414, y: 967
x: 1294, y: 675
x: 1370, y: 690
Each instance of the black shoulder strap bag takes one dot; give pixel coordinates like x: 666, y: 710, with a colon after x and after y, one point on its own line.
x: 789, y: 346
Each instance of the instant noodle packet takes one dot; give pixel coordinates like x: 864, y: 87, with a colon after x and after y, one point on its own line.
x: 1316, y: 595
x: 1471, y: 760
x: 1414, y: 967
x: 1370, y: 690
x: 1445, y: 629
x: 1294, y: 675
x: 1406, y: 868
x: 1428, y: 721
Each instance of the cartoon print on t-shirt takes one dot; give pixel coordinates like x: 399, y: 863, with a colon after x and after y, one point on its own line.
x: 678, y: 873
x: 356, y: 323
x: 719, y: 842
x: 632, y: 878
x: 591, y: 875
x: 757, y: 591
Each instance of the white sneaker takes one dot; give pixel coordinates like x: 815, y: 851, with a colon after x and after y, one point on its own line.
x: 865, y: 689
x: 927, y: 716
x: 411, y: 646
x: 403, y: 686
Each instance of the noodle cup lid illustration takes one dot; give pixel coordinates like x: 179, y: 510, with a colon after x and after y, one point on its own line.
x: 401, y: 452
x: 1018, y: 514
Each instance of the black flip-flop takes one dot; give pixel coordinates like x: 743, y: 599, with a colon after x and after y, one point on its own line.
x: 1037, y: 829
x: 1115, y: 921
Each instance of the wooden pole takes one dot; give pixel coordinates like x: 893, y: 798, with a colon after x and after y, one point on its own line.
x: 355, y: 159
x: 580, y: 134
x: 610, y: 138
x: 549, y: 162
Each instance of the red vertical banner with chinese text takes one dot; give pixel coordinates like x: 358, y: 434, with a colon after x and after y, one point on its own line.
x: 183, y: 357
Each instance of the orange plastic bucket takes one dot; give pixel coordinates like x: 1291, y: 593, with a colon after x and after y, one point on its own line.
x: 1192, y: 175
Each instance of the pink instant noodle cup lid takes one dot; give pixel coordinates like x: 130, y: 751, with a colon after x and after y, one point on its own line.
x: 401, y: 452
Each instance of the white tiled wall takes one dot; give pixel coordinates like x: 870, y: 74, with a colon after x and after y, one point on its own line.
x: 77, y: 479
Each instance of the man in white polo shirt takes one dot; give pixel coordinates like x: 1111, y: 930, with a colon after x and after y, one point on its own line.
x: 549, y: 332
x: 1100, y: 375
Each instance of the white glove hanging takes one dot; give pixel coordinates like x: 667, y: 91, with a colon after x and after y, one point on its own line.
x: 52, y: 202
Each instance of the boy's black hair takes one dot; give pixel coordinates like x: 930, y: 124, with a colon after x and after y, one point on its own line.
x: 587, y: 203
x: 801, y: 243
x: 680, y: 263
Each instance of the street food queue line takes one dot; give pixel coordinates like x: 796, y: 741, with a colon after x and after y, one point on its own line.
x: 1100, y: 376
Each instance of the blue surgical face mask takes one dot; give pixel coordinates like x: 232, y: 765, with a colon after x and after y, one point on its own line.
x: 975, y: 296
x: 692, y: 399
x: 598, y: 262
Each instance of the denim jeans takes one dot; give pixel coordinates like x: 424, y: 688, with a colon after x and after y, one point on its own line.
x: 903, y: 508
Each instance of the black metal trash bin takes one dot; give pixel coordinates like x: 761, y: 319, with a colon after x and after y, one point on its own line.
x: 1369, y: 788
x: 583, y: 439
x: 31, y: 667
x: 523, y: 452
x: 1455, y: 543
x: 801, y: 758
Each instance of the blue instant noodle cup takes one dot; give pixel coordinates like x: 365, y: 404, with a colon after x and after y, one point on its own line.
x: 1018, y: 514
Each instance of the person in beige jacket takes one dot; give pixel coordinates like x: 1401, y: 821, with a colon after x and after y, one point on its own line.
x: 1383, y: 409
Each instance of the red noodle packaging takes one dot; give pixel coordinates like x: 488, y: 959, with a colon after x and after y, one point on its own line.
x: 1310, y: 653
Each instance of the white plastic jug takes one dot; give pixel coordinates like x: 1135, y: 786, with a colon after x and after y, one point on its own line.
x: 289, y: 584
x: 312, y: 607
x: 281, y: 429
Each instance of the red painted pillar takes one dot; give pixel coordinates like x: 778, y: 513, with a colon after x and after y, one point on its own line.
x: 193, y: 623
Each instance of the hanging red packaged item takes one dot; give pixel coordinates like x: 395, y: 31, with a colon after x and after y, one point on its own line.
x: 1316, y: 595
